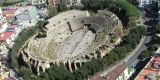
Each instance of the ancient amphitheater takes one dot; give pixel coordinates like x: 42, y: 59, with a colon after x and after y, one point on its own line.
x: 72, y: 38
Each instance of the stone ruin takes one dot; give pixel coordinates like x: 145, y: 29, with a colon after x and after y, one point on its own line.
x: 73, y: 38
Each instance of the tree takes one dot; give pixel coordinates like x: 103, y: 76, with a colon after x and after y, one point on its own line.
x: 147, y: 54
x: 142, y: 30
x: 157, y: 28
x: 44, y: 76
x: 130, y: 9
x: 61, y: 7
x: 52, y: 11
x: 25, y: 73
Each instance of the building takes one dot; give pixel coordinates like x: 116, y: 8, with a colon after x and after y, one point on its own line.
x: 3, y: 51
x: 126, y: 74
x: 0, y: 10
x: 158, y: 3
x: 36, y: 2
x: 143, y: 3
x: 72, y: 2
x: 114, y: 74
x: 9, y: 13
x: 67, y: 2
x: 7, y: 37
x: 13, y: 28
x: 3, y: 27
x: 42, y: 13
x: 151, y: 70
x: 3, y: 22
x: 53, y: 2
x: 122, y: 72
x: 28, y: 17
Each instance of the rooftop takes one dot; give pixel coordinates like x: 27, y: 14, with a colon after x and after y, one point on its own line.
x: 4, y: 36
x: 151, y: 70
x: 9, y: 11
x: 9, y: 78
x: 24, y: 17
x: 113, y: 75
x: 12, y: 26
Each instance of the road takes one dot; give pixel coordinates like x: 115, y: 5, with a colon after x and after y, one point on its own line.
x: 133, y: 57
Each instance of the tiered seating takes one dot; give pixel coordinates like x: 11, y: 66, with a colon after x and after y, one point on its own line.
x: 64, y: 17
x: 87, y: 40
x: 70, y: 43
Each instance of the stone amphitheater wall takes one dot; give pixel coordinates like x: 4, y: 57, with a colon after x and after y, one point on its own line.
x: 58, y: 24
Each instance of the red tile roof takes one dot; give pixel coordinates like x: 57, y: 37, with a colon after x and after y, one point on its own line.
x: 113, y: 75
x: 149, y: 69
x: 10, y: 11
x: 4, y: 36
x: 9, y: 78
x: 10, y: 17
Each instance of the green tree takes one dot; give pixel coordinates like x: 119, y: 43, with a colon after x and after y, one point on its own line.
x: 25, y: 73
x: 147, y: 53
x: 130, y: 9
x: 157, y: 28
x: 61, y: 7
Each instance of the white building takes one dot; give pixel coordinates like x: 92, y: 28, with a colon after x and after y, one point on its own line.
x: 72, y: 2
x: 143, y: 3
x: 0, y: 10
x: 3, y: 22
x: 126, y: 74
x: 75, y: 2
x: 14, y: 28
x: 3, y: 27
x: 38, y: 2
x: 28, y: 17
x: 3, y: 49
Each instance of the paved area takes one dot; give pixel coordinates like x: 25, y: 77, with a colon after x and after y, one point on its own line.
x: 76, y: 44
x: 70, y: 43
x: 87, y: 41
